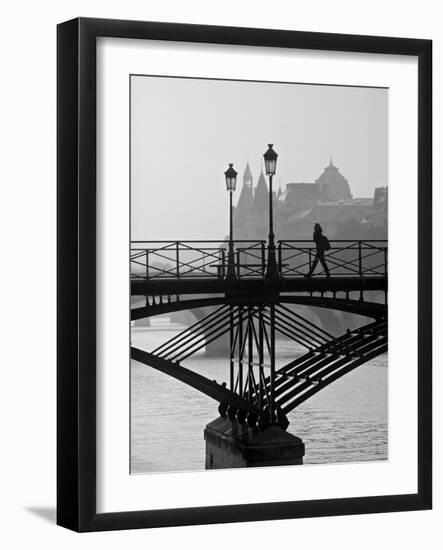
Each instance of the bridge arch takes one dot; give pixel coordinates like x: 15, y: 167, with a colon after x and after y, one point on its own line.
x: 367, y: 309
x: 296, y: 382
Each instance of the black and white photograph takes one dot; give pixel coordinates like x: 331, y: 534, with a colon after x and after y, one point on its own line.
x: 258, y: 274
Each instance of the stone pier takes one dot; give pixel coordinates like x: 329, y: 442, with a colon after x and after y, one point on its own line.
x: 233, y: 445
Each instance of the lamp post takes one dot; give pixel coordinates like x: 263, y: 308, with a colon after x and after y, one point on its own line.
x: 272, y: 274
x: 270, y: 167
x: 231, y: 182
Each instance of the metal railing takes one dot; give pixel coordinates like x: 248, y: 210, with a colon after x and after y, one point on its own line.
x: 344, y: 259
x: 209, y: 259
x: 195, y: 259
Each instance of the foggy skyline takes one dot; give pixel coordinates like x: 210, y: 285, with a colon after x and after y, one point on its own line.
x: 184, y: 132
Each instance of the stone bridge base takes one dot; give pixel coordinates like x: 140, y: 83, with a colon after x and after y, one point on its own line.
x: 231, y: 445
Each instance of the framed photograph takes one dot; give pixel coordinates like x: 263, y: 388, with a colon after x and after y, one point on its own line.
x: 239, y: 210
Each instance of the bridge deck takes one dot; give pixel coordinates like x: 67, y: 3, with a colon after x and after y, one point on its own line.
x: 142, y: 287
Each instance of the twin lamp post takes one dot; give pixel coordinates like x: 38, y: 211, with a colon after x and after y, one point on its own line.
x: 270, y: 158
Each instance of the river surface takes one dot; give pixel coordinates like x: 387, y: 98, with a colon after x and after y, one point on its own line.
x: 345, y: 422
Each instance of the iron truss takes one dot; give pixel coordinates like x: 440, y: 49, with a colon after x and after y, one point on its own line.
x: 257, y: 390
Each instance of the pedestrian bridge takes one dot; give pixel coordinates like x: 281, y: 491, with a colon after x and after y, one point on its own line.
x: 170, y: 260
x: 250, y: 308
x: 168, y: 268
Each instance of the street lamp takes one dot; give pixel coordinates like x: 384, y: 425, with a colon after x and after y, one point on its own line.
x: 231, y: 182
x: 270, y: 167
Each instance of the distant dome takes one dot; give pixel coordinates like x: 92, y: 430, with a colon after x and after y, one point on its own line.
x: 333, y: 185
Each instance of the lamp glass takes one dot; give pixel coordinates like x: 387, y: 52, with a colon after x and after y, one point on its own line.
x: 231, y: 178
x: 270, y: 161
x: 231, y: 184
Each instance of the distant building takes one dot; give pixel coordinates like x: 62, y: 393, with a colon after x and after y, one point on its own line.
x: 327, y: 201
x: 379, y: 212
x: 260, y: 203
x: 301, y: 195
x: 244, y: 203
x: 332, y: 216
x: 332, y: 185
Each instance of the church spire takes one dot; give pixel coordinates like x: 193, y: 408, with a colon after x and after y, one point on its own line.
x: 247, y: 176
x: 260, y: 202
x: 243, y: 208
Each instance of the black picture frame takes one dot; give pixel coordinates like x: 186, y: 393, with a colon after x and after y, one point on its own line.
x: 76, y: 294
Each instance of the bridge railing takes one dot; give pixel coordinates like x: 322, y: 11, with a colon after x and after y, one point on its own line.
x: 344, y: 259
x: 209, y: 259
x: 195, y: 259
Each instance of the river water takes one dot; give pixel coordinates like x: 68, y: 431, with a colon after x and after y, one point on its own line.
x: 345, y: 422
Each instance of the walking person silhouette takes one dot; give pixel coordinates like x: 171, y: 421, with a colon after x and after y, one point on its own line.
x: 322, y: 244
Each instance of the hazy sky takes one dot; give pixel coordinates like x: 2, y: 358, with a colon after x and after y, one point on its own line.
x: 185, y: 131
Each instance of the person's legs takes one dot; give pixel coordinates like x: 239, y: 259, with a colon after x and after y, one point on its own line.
x: 324, y: 264
x: 313, y: 266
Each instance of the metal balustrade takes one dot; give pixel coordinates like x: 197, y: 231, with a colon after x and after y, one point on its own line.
x: 209, y: 259
x: 344, y: 259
